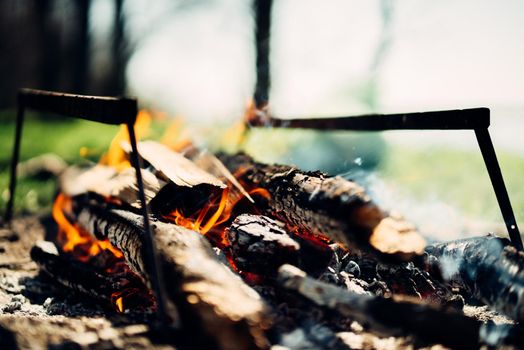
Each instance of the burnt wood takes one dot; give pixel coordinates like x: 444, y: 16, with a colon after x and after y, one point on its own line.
x: 318, y: 204
x: 487, y: 268
x: 456, y: 119
x: 405, y: 278
x: 261, y: 245
x: 208, y: 295
x: 387, y: 316
x: 101, y: 109
x: 86, y: 280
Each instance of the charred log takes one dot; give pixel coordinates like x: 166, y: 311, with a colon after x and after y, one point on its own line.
x: 487, y: 268
x: 86, y: 280
x: 332, y: 206
x: 210, y: 297
x: 387, y: 316
x: 260, y: 244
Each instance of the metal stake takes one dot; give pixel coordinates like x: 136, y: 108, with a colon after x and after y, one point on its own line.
x: 154, y: 264
x: 14, y: 163
x: 497, y: 181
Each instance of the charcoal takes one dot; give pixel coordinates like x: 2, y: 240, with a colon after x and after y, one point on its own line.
x: 387, y: 316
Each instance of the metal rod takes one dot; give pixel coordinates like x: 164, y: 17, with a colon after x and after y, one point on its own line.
x: 153, y: 262
x: 14, y: 162
x: 101, y: 109
x: 497, y: 181
x: 458, y: 119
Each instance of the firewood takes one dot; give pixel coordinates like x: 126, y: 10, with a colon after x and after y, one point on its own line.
x: 488, y: 268
x: 208, y: 294
x: 210, y: 163
x: 387, y: 316
x: 174, y: 166
x: 107, y: 182
x: 84, y: 279
x: 331, y: 206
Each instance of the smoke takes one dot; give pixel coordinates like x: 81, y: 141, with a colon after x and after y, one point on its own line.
x: 435, y: 219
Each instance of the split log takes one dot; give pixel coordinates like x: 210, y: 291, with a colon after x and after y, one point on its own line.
x: 209, y: 296
x: 109, y: 183
x: 85, y: 280
x: 174, y: 166
x: 387, y: 316
x: 332, y: 206
x: 488, y: 268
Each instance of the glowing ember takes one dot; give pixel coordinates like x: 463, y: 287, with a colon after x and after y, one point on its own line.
x: 220, y: 207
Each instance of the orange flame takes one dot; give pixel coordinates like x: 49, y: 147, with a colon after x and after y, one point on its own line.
x: 120, y: 304
x: 221, y: 208
x: 73, y: 239
x: 115, y: 156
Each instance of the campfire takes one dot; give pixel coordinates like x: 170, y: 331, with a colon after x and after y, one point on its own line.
x: 168, y: 245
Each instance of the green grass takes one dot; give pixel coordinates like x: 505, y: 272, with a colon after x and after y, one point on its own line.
x: 62, y: 137
x: 456, y: 177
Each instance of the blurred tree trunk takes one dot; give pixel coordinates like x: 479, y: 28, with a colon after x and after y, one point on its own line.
x: 80, y: 74
x: 116, y: 83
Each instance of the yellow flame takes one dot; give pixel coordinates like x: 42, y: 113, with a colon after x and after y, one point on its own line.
x: 120, y: 304
x: 115, y: 156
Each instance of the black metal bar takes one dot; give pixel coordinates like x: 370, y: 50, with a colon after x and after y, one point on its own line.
x: 262, y: 9
x: 106, y: 110
x: 458, y: 119
x: 495, y: 175
x: 14, y: 162
x: 153, y: 263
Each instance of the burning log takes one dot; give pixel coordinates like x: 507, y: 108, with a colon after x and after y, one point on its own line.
x: 209, y: 295
x: 487, y: 268
x: 332, y: 206
x: 387, y: 316
x: 84, y: 279
x: 174, y: 166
